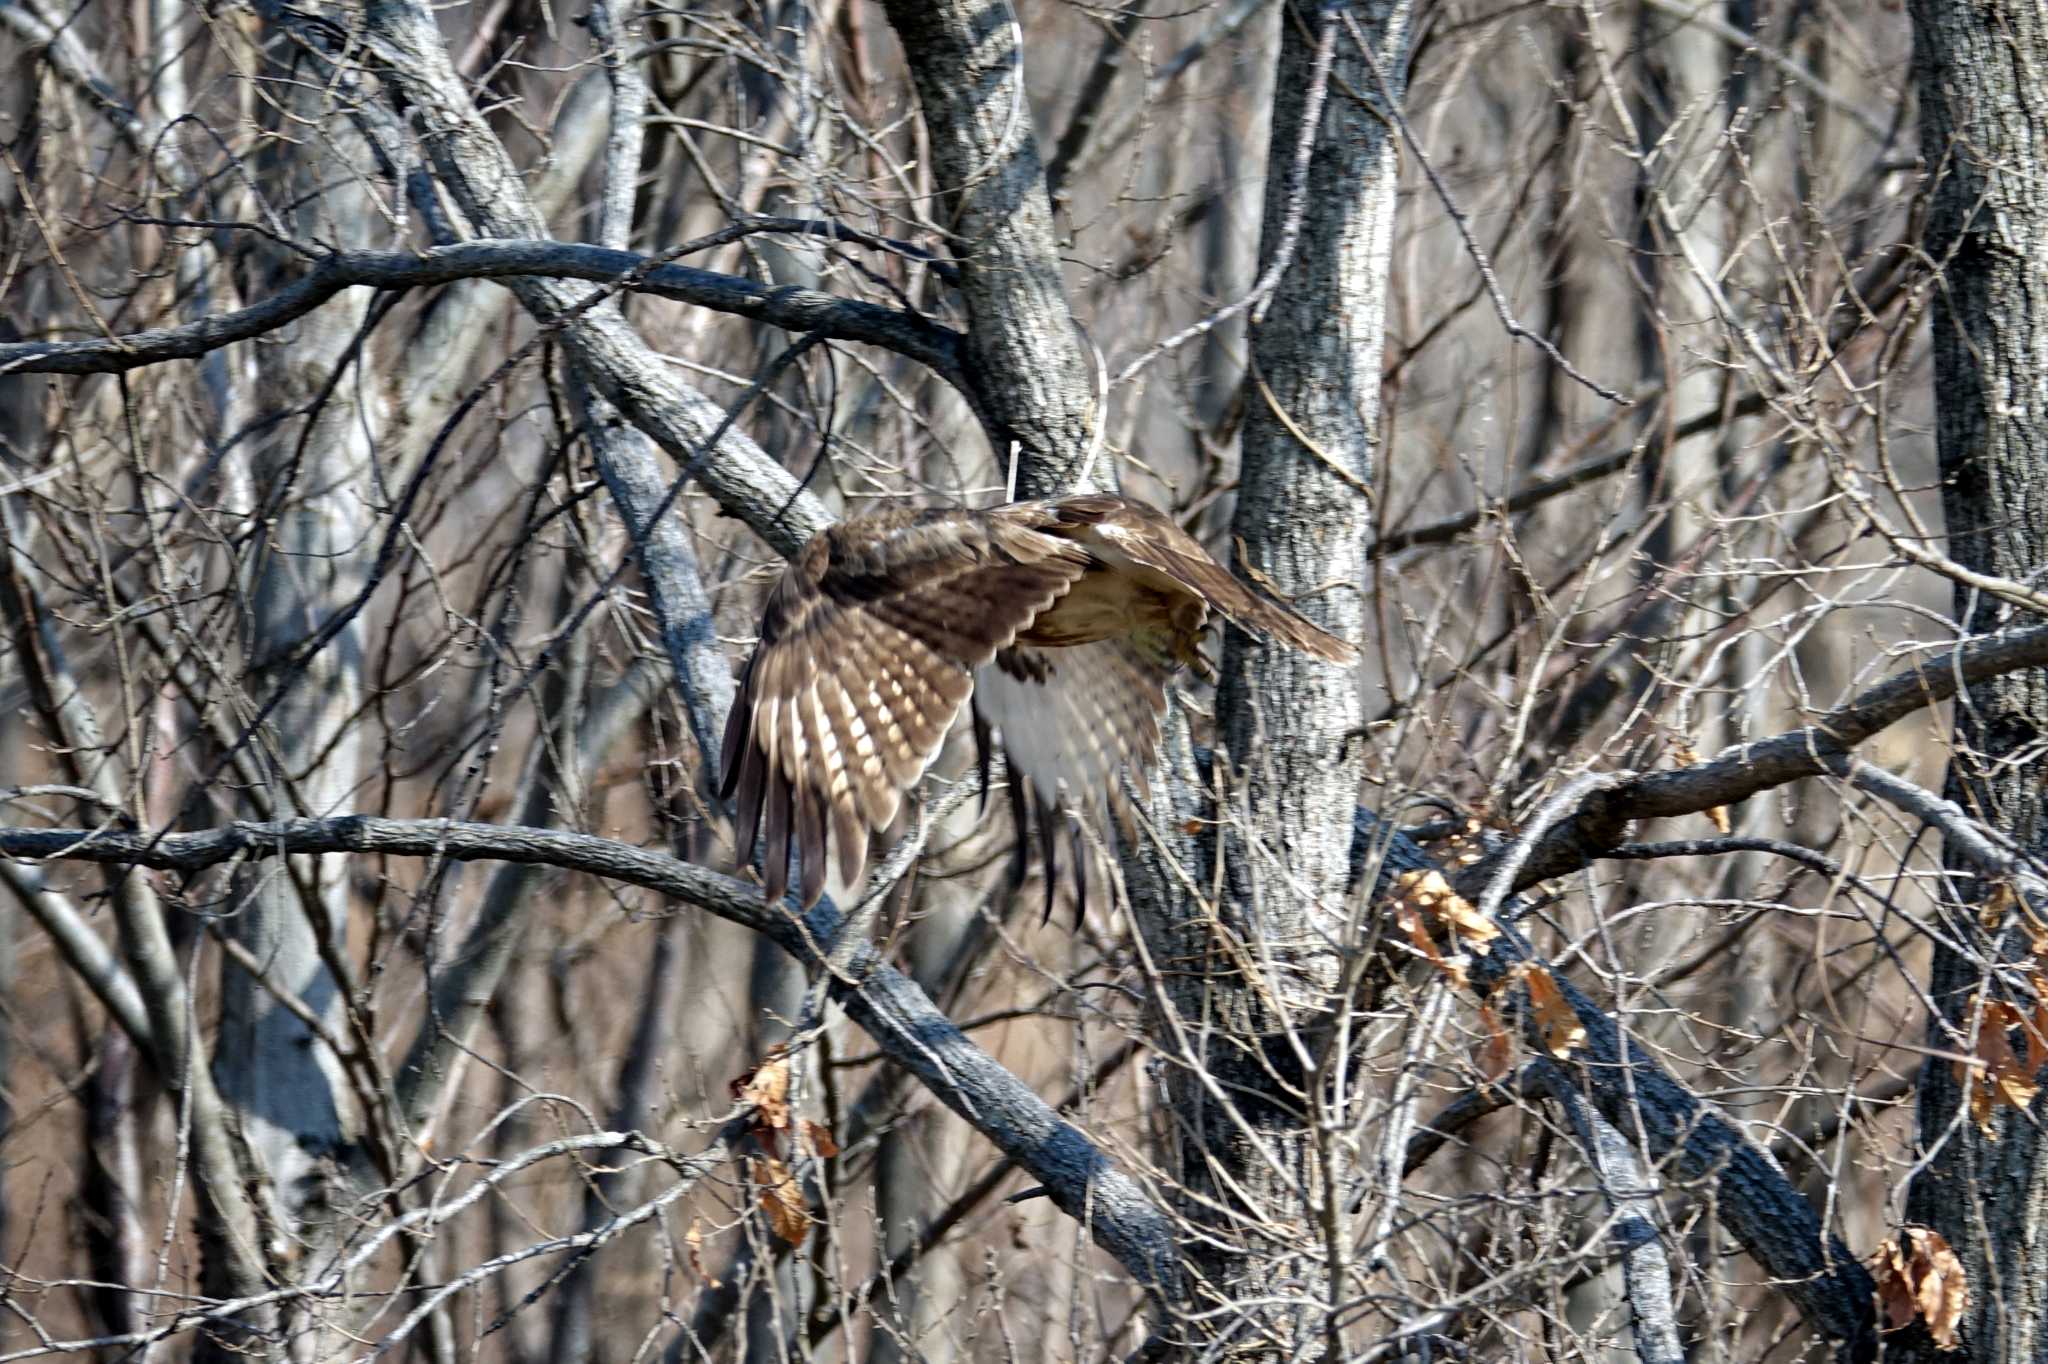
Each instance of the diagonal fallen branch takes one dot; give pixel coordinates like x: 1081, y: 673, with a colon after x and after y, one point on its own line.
x: 1677, y: 1131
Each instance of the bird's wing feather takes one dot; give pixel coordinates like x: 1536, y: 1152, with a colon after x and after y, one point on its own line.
x: 867, y: 649
x: 1145, y: 542
x: 1071, y: 720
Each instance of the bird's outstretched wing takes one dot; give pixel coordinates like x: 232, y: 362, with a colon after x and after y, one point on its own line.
x: 867, y: 649
x: 1066, y: 618
x: 1080, y: 696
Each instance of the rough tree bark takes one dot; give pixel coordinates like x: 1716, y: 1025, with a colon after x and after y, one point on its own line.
x: 1982, y: 74
x: 968, y: 62
x: 310, y: 475
x: 1246, y: 1153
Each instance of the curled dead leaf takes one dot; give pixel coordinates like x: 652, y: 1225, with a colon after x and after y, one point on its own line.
x: 1558, y: 1022
x: 1919, y: 1276
x: 1999, y: 1076
x: 767, y: 1089
x: 819, y: 1138
x: 1496, y: 1053
x: 1434, y: 896
x: 2037, y: 1038
x: 782, y: 1198
x: 694, y: 1239
x: 1409, y: 921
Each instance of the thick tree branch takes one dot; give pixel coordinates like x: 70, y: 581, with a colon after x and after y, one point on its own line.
x: 798, y: 310
x: 1630, y: 1191
x: 73, y: 62
x: 1675, y: 1129
x: 1742, y: 770
x: 480, y: 179
x: 83, y: 950
x: 1681, y: 1133
x: 474, y: 168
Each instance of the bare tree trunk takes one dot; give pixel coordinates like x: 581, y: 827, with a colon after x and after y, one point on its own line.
x: 967, y: 58
x: 1982, y: 74
x: 315, y: 481
x: 111, y: 1185
x: 1254, y: 1176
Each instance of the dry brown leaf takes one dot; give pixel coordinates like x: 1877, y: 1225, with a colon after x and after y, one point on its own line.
x: 1562, y: 1032
x: 2011, y: 1077
x: 819, y: 1138
x: 767, y: 1089
x: 1429, y: 892
x: 1999, y: 1076
x: 1474, y: 929
x: 782, y: 1198
x: 2037, y: 1039
x: 694, y: 1239
x: 1918, y: 1275
x: 1409, y: 921
x: 1496, y: 1053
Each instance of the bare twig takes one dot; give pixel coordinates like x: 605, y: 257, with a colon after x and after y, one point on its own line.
x: 1390, y: 108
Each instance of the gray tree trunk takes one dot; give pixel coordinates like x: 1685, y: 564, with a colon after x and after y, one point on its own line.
x: 968, y: 66
x: 314, y: 482
x: 1982, y: 73
x: 1245, y: 1151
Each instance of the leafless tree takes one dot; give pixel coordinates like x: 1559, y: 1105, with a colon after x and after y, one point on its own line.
x: 404, y: 411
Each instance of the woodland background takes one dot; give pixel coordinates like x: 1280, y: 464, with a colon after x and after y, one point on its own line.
x: 1608, y: 371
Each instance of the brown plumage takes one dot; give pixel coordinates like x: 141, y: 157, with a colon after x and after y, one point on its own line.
x: 1064, y: 619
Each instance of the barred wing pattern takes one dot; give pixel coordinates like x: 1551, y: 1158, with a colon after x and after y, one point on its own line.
x: 1071, y: 720
x: 865, y: 658
x: 1064, y: 618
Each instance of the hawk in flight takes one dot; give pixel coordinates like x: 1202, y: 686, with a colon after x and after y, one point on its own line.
x: 1063, y: 619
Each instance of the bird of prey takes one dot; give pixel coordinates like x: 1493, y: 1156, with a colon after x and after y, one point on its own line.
x: 1063, y: 619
